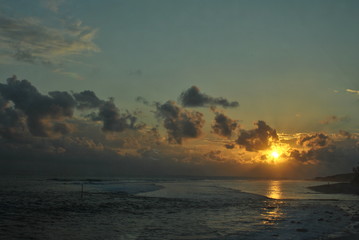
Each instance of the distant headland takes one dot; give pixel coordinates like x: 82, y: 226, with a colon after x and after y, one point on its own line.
x: 343, y: 184
x: 344, y: 177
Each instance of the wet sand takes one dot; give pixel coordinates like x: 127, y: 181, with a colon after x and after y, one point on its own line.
x: 341, y: 188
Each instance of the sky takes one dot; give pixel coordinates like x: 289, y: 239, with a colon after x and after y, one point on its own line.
x: 179, y: 88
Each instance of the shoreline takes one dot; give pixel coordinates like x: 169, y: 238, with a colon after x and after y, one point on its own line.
x: 334, y: 188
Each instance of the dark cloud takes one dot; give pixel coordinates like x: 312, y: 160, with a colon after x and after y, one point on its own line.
x: 46, y: 115
x: 113, y: 121
x: 12, y: 122
x: 229, y: 146
x: 301, y: 156
x: 215, y: 155
x: 24, y: 56
x: 322, y: 155
x: 257, y: 139
x: 87, y: 100
x: 142, y: 100
x: 40, y: 110
x: 317, y: 140
x: 62, y: 128
x: 336, y: 157
x: 335, y: 154
x: 223, y: 125
x: 333, y: 119
x: 192, y: 97
x: 180, y: 124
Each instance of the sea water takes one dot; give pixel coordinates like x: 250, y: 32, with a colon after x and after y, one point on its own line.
x: 182, y: 208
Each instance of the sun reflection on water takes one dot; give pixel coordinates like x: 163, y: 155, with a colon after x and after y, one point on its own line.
x: 272, y: 213
x: 274, y: 190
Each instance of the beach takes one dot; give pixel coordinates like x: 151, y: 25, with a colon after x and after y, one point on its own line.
x: 169, y: 209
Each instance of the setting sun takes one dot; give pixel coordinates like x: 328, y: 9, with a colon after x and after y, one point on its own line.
x: 275, y: 154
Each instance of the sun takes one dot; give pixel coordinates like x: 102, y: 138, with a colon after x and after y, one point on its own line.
x: 275, y: 154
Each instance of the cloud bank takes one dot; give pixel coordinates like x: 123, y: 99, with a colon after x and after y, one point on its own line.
x: 77, y: 132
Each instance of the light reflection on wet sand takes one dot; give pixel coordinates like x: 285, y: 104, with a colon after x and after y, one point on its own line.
x: 273, y: 213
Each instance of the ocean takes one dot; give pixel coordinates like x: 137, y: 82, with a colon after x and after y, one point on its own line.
x: 172, y: 208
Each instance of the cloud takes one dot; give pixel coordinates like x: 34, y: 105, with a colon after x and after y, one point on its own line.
x: 12, y: 122
x: 303, y: 156
x: 352, y: 91
x: 337, y: 157
x: 315, y: 141
x: 113, y: 121
x: 52, y: 5
x: 179, y: 123
x: 28, y: 40
x: 24, y: 56
x: 345, y: 134
x: 229, y: 146
x: 40, y: 110
x: 41, y: 132
x: 192, y: 97
x: 333, y: 151
x: 63, y: 128
x: 223, y: 125
x: 47, y: 115
x: 257, y: 139
x: 142, y: 100
x: 87, y: 100
x: 333, y: 119
x: 68, y: 74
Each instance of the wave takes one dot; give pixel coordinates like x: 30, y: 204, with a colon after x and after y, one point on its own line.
x: 199, y: 190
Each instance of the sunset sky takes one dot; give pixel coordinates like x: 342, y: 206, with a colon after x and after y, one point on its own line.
x: 209, y: 88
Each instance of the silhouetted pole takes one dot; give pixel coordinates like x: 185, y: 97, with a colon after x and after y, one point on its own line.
x: 82, y: 190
